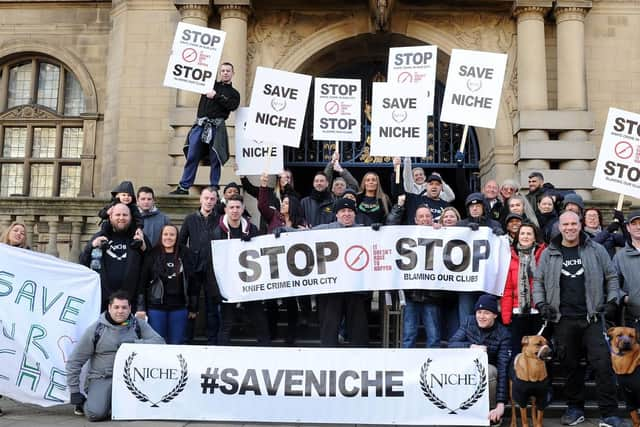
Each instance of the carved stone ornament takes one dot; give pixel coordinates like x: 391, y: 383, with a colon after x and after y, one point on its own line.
x: 24, y: 112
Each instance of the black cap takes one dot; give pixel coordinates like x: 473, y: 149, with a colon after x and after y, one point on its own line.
x: 633, y: 215
x: 434, y: 177
x: 512, y: 216
x: 343, y: 203
x: 487, y: 302
x: 474, y: 198
x: 232, y: 185
x: 573, y: 198
x: 349, y: 191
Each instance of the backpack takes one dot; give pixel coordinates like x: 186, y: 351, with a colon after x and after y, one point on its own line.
x: 100, y: 328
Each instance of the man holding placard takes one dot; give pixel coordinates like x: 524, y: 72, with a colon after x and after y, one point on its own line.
x: 208, y: 136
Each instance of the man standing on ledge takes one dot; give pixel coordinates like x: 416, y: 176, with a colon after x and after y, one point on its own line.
x: 208, y: 136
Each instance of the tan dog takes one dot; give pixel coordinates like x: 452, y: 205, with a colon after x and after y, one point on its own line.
x: 625, y: 360
x: 529, y: 378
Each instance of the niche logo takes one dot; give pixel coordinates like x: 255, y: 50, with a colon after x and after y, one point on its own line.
x: 135, y: 374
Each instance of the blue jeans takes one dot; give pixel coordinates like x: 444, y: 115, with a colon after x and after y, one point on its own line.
x: 466, y: 304
x: 195, y: 153
x: 430, y: 315
x: 169, y: 324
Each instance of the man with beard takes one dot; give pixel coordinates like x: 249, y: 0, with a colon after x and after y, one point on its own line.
x: 318, y: 206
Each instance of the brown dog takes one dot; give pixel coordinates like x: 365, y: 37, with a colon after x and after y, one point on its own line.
x: 529, y: 378
x: 625, y: 360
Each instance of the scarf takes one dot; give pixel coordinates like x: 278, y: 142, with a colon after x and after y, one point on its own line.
x: 526, y: 270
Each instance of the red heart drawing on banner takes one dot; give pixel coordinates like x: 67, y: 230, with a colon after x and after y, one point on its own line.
x: 63, y: 344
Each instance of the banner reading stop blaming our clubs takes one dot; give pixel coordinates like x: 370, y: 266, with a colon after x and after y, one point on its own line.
x: 359, y: 259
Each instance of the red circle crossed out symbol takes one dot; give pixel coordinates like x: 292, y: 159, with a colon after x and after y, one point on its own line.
x: 405, y: 77
x: 356, y: 258
x: 623, y: 149
x: 189, y: 54
x: 332, y: 107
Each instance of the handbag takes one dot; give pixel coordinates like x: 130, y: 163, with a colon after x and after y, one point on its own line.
x: 156, y: 292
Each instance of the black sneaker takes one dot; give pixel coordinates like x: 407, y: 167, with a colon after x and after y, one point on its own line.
x: 179, y: 192
x: 78, y: 410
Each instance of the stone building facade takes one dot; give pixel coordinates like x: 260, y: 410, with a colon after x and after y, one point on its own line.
x: 82, y: 105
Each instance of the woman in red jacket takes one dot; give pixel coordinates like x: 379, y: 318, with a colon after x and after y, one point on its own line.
x: 517, y: 303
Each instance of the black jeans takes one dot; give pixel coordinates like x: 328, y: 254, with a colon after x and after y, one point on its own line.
x: 257, y: 316
x: 352, y: 305
x: 575, y: 337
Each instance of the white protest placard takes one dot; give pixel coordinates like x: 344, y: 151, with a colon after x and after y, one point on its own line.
x: 474, y: 87
x: 414, y: 64
x: 301, y: 385
x: 194, y: 59
x: 349, y: 259
x: 45, y: 306
x: 618, y: 167
x: 278, y: 106
x: 255, y: 157
x: 337, y: 109
x: 398, y: 120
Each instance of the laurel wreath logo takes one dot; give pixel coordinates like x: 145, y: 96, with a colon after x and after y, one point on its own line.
x: 441, y: 404
x: 179, y: 387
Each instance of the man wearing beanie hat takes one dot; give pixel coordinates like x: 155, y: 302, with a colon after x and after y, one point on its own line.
x: 627, y: 264
x: 477, y: 215
x: 429, y: 197
x: 483, y: 331
x: 352, y: 304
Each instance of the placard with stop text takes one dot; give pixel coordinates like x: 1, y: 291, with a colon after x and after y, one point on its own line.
x: 195, y: 56
x: 474, y: 87
x: 618, y: 167
x: 255, y: 157
x: 414, y: 64
x: 398, y: 120
x: 337, y: 108
x: 301, y: 385
x: 359, y: 259
x: 278, y: 106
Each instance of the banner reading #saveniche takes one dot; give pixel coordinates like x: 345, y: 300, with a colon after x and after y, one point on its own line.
x: 45, y: 306
x: 360, y: 259
x: 301, y: 385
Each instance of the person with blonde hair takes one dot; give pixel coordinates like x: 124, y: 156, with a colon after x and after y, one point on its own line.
x: 372, y: 202
x: 15, y: 235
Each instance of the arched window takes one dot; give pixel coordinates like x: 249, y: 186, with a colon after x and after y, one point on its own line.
x: 41, y: 128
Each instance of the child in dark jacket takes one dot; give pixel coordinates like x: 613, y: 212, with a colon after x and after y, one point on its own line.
x: 123, y: 193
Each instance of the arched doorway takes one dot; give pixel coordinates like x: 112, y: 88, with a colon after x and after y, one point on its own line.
x: 364, y: 57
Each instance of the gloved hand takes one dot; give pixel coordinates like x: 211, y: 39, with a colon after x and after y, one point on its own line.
x: 276, y: 232
x: 459, y: 158
x: 376, y: 226
x: 246, y: 237
x: 473, y: 226
x: 547, y: 311
x: 613, y: 227
x: 618, y: 215
x: 609, y: 309
x: 77, y: 398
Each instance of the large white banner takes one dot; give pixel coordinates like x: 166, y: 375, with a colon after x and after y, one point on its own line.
x: 300, y: 385
x: 399, y: 120
x: 278, y: 106
x: 360, y: 259
x: 255, y: 157
x: 45, y: 306
x: 474, y: 87
x: 414, y: 64
x: 337, y: 109
x: 618, y: 168
x: 194, y: 59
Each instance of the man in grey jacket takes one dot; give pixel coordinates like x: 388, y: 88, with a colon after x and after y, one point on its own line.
x: 627, y: 264
x: 98, y: 346
x: 574, y: 282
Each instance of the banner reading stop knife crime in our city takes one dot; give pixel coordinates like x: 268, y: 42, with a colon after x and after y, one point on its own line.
x: 337, y: 109
x: 352, y: 259
x: 618, y: 168
x: 414, y: 64
x: 195, y: 55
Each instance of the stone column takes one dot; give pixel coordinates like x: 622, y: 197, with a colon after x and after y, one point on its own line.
x: 195, y: 12
x: 76, y: 232
x: 532, y: 75
x: 572, y: 75
x: 52, y: 244
x: 30, y: 224
x: 233, y: 21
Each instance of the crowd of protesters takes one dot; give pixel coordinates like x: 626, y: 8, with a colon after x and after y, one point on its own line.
x: 569, y: 271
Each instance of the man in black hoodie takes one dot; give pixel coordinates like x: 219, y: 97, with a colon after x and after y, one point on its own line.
x: 318, y: 207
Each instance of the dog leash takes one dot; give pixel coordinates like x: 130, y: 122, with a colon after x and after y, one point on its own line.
x: 606, y: 337
x: 544, y: 325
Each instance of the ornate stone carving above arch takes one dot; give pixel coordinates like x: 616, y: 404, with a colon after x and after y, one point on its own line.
x: 75, y: 64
